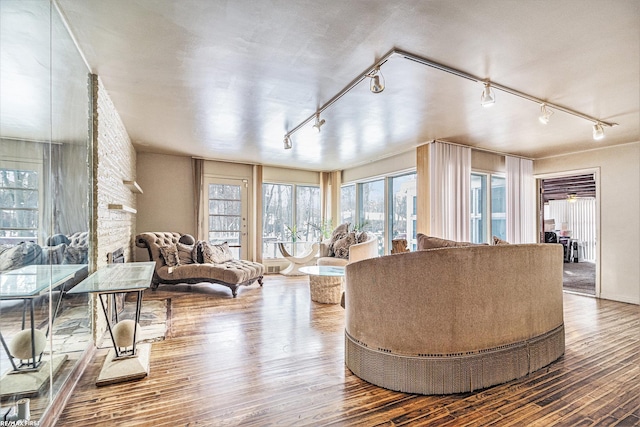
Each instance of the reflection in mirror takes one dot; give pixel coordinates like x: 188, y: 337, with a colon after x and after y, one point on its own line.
x: 45, y: 206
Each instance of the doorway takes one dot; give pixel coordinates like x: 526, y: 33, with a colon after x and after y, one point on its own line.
x: 226, y: 214
x: 568, y: 216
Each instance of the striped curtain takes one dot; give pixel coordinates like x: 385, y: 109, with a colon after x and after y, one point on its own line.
x: 450, y: 187
x: 521, y: 200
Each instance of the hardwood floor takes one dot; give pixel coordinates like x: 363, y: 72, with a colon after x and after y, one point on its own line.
x: 273, y: 357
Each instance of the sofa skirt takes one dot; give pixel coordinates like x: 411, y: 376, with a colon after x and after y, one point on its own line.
x: 452, y: 373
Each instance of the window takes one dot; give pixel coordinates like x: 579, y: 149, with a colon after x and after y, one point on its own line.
x: 485, y: 199
x: 347, y: 204
x: 18, y: 205
x: 371, y: 206
x: 308, y: 217
x: 499, y: 207
x: 403, y: 209
x: 385, y: 207
x: 291, y: 213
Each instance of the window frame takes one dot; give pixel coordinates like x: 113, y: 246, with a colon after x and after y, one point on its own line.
x: 385, y: 239
x: 488, y: 208
x: 26, y: 166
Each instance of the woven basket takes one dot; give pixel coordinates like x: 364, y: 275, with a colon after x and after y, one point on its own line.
x: 325, y: 289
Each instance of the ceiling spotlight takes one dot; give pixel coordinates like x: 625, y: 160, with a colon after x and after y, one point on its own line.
x: 377, y: 80
x: 545, y: 114
x: 319, y: 122
x: 598, y: 131
x: 487, y: 99
x: 287, y: 142
x: 572, y: 197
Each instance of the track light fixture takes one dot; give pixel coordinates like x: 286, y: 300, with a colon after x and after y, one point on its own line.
x: 598, y: 131
x: 377, y: 80
x: 319, y: 122
x: 377, y: 85
x: 487, y: 99
x: 545, y: 114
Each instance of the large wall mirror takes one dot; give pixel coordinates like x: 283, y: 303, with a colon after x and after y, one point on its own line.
x: 45, y: 205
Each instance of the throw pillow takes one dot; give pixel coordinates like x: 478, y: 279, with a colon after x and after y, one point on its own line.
x: 337, y: 234
x: 170, y: 255
x: 341, y: 246
x: 216, y: 254
x: 430, y: 242
x: 76, y: 254
x: 186, y: 253
x: 499, y: 241
x: 187, y: 239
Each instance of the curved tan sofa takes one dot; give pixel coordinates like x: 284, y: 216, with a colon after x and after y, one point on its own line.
x: 454, y: 320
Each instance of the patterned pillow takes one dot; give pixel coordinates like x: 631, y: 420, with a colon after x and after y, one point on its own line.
x: 170, y: 255
x: 499, y: 241
x: 341, y: 246
x: 337, y: 234
x: 216, y: 254
x: 186, y: 253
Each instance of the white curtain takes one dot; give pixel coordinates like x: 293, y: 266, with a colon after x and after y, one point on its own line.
x: 521, y: 201
x: 450, y: 182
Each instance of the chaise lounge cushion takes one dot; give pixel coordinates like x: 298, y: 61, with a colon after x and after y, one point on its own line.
x: 234, y: 271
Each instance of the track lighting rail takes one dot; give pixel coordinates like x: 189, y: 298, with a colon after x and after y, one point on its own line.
x: 424, y: 61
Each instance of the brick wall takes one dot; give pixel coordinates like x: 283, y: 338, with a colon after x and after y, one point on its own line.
x: 114, y: 160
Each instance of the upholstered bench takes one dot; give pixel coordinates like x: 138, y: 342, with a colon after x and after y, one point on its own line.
x: 191, y: 268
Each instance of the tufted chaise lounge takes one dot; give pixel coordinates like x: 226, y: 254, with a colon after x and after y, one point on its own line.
x: 232, y: 274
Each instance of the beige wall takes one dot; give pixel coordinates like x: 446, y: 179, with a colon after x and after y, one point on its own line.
x: 167, y: 202
x: 619, y: 200
x: 386, y: 166
x: 295, y: 176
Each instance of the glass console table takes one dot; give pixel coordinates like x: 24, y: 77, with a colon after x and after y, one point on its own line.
x: 27, y: 283
x: 123, y: 362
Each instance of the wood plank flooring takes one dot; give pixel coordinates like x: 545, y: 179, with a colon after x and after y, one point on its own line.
x: 271, y: 357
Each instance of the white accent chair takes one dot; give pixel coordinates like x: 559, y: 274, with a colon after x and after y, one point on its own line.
x: 307, y: 258
x: 357, y: 252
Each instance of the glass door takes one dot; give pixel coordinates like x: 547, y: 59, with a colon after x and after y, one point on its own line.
x: 226, y: 213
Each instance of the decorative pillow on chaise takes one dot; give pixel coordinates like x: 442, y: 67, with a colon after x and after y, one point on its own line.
x: 216, y: 254
x: 186, y: 253
x: 170, y: 255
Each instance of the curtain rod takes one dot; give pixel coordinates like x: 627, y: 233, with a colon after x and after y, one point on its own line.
x: 486, y: 150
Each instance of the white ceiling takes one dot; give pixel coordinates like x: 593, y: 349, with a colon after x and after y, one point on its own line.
x: 227, y: 79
